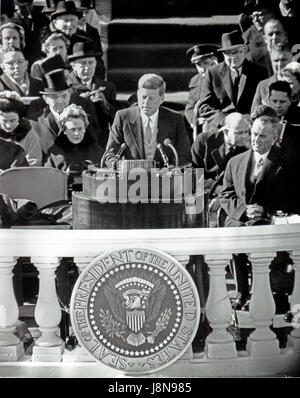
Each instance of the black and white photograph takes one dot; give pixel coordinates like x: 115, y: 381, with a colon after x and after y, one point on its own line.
x: 149, y: 198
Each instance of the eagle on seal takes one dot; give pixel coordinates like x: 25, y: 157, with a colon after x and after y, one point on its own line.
x: 135, y: 302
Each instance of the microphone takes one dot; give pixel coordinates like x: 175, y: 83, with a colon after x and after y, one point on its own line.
x: 118, y: 155
x: 121, y: 150
x: 163, y: 155
x: 168, y: 142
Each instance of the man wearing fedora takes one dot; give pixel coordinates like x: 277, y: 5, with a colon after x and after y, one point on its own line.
x: 87, y: 84
x: 229, y: 86
x: 57, y: 95
x: 202, y: 56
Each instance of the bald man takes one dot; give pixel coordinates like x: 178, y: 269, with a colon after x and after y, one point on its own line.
x: 212, y: 150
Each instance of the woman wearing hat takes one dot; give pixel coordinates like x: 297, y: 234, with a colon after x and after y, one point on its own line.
x: 16, y: 128
x: 74, y: 143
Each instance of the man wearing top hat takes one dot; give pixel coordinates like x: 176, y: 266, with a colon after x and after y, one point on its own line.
x: 202, y: 56
x: 57, y: 95
x: 87, y: 84
x: 229, y: 86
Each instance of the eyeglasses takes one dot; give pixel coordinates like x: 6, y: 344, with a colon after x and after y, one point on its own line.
x: 257, y: 15
x: 233, y: 52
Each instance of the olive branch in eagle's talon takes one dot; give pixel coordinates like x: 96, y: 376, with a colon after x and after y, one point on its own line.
x: 112, y: 328
x: 161, y: 324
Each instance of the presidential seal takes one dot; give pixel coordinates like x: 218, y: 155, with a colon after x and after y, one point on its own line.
x: 136, y: 310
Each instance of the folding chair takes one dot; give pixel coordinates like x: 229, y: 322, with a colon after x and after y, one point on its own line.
x: 42, y: 185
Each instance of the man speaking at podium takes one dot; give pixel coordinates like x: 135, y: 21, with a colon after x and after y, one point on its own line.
x: 144, y: 128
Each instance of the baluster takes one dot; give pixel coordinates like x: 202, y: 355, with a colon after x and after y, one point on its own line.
x: 11, y: 348
x: 49, y: 346
x: 83, y: 262
x: 81, y: 354
x: 219, y: 343
x: 183, y: 260
x: 262, y: 341
x: 294, y: 337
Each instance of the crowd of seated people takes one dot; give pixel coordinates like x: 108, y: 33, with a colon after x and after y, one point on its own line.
x: 57, y: 107
x: 64, y: 69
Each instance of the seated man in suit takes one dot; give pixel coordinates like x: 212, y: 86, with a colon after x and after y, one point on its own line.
x: 15, y: 76
x: 87, y: 84
x: 213, y: 150
x: 146, y: 125
x: 256, y: 185
x: 280, y: 56
x: 229, y: 86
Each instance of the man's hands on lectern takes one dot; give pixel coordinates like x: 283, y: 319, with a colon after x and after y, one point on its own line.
x: 254, y: 211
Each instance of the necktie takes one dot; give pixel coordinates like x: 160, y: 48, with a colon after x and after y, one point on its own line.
x: 258, y: 168
x: 148, y: 132
x: 235, y: 84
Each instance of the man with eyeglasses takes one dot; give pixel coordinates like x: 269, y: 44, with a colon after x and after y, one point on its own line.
x: 259, y: 15
x: 15, y: 76
x: 229, y: 86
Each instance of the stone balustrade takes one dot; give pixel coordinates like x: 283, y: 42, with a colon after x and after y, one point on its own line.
x: 47, y: 247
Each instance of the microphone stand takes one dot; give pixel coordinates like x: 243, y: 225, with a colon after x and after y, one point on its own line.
x: 163, y: 155
x: 168, y: 142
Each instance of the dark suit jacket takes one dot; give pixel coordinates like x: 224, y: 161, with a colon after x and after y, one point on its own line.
x: 127, y: 127
x: 260, y: 56
x: 273, y: 189
x: 262, y: 92
x: 217, y: 93
x: 35, y: 86
x: 194, y: 95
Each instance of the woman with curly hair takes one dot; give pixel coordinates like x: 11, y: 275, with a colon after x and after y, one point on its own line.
x: 16, y: 128
x: 74, y: 142
x: 56, y: 43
